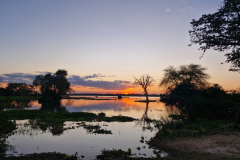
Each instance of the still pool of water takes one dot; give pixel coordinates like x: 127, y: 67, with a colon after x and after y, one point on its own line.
x: 28, y: 139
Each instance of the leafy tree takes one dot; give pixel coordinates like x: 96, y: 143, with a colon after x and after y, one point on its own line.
x: 18, y: 89
x: 210, y: 103
x: 234, y: 58
x: 55, y: 84
x: 192, y: 74
x: 220, y: 31
x: 145, y: 81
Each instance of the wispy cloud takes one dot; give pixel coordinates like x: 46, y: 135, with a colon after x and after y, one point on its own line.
x: 18, y: 78
x: 1, y: 79
x: 78, y: 81
x: 108, y: 85
x: 94, y: 76
x: 168, y: 10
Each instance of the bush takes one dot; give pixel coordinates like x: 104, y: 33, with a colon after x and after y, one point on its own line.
x: 211, y: 103
x: 101, y: 114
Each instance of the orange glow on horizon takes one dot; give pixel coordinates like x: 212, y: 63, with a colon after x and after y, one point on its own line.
x: 135, y: 90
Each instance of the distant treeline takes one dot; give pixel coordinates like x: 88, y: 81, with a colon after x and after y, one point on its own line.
x: 48, y: 85
x: 18, y: 89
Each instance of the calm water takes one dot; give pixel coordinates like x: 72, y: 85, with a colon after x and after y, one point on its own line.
x: 28, y: 139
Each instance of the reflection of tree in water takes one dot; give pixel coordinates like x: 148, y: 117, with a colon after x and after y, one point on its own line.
x: 145, y: 121
x: 19, y: 104
x: 53, y: 105
x: 171, y: 110
x: 33, y: 127
x: 69, y: 102
x: 56, y: 128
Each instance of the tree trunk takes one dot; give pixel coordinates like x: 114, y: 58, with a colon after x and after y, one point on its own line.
x: 146, y: 95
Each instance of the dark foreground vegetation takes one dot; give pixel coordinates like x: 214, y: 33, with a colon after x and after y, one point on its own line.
x: 45, y: 115
x: 41, y: 156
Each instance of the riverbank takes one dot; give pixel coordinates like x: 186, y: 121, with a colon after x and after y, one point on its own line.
x: 223, y: 145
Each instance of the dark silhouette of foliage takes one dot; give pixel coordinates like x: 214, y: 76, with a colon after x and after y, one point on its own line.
x: 210, y: 103
x: 234, y: 58
x: 220, y: 31
x: 192, y: 74
x: 53, y: 85
x: 17, y: 89
x: 51, y: 104
x: 145, y: 81
x: 6, y: 127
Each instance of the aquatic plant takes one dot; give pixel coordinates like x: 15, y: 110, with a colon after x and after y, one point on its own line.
x: 108, y: 154
x: 101, y: 114
x: 142, y: 139
x: 3, y: 146
x: 46, y: 115
x: 102, y: 131
x: 71, y: 157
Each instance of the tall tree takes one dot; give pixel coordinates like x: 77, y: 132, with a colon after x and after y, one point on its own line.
x: 55, y: 84
x: 145, y: 81
x: 220, y: 31
x: 192, y: 74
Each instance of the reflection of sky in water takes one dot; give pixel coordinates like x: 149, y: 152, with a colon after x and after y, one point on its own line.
x: 114, y: 107
x: 125, y: 135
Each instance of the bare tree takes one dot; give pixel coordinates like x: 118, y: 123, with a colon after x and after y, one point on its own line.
x: 145, y: 81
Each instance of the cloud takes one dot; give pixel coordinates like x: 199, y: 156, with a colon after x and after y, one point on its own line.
x: 190, y: 7
x: 75, y: 80
x: 108, y: 85
x: 94, y: 76
x: 18, y: 78
x: 1, y: 79
x: 39, y: 72
x: 168, y: 10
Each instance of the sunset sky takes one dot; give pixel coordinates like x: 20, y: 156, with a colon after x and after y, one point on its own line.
x: 104, y: 44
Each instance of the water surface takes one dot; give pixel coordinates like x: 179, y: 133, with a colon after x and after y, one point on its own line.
x: 28, y: 139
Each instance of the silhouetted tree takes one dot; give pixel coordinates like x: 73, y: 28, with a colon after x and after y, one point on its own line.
x: 220, y: 31
x: 192, y: 74
x: 55, y: 85
x: 18, y: 89
x: 145, y: 81
x: 234, y: 58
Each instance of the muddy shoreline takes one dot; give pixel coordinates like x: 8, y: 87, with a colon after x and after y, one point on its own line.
x: 225, y: 145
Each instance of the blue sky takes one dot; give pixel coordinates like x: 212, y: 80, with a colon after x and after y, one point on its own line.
x: 118, y: 39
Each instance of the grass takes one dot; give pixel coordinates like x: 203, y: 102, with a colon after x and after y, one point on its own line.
x: 45, y: 115
x: 40, y: 156
x: 109, y: 154
x: 102, y: 131
x: 186, y: 128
